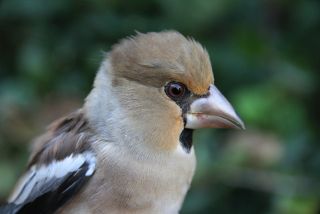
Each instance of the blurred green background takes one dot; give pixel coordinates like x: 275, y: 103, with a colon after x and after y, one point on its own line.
x: 266, y: 61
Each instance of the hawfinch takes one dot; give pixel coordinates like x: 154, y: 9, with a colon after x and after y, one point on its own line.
x: 129, y: 148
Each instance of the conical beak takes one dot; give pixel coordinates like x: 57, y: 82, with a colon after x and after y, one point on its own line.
x: 213, y: 111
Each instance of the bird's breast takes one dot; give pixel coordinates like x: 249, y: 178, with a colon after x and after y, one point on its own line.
x: 124, y: 183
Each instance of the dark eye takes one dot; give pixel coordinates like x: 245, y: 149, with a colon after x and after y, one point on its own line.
x: 175, y: 90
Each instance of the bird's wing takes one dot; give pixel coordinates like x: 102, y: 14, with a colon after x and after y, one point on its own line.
x: 60, y: 167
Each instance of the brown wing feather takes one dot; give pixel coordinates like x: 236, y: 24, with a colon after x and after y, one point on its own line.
x: 60, y: 166
x: 65, y: 136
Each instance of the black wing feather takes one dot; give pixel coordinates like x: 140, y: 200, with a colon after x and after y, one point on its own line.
x: 54, y: 198
x: 67, y: 138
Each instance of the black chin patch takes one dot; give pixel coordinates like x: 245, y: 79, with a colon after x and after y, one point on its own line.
x: 186, y: 139
x: 184, y: 103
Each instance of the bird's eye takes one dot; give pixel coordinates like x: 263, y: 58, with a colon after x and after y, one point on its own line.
x: 175, y: 90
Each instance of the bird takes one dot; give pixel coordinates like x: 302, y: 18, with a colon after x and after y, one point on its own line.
x: 129, y: 148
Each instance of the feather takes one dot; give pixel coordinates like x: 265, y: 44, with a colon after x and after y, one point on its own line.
x: 47, y: 188
x: 60, y: 166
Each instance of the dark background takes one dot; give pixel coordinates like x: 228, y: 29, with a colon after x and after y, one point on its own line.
x: 265, y: 57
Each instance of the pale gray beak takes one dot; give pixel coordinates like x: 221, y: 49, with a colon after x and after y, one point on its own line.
x: 213, y: 111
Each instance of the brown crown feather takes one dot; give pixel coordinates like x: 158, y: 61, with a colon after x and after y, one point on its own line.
x: 156, y: 58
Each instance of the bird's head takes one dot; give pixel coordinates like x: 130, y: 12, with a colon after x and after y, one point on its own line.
x: 156, y: 88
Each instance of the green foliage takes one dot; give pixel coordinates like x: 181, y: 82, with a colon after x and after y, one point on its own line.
x: 265, y: 60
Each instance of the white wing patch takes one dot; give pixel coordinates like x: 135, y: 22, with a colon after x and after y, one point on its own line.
x: 37, y: 180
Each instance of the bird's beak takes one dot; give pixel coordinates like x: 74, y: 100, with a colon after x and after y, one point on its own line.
x: 213, y: 111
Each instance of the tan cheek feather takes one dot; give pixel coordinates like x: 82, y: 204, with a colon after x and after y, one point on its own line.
x: 171, y: 143
x: 171, y: 125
